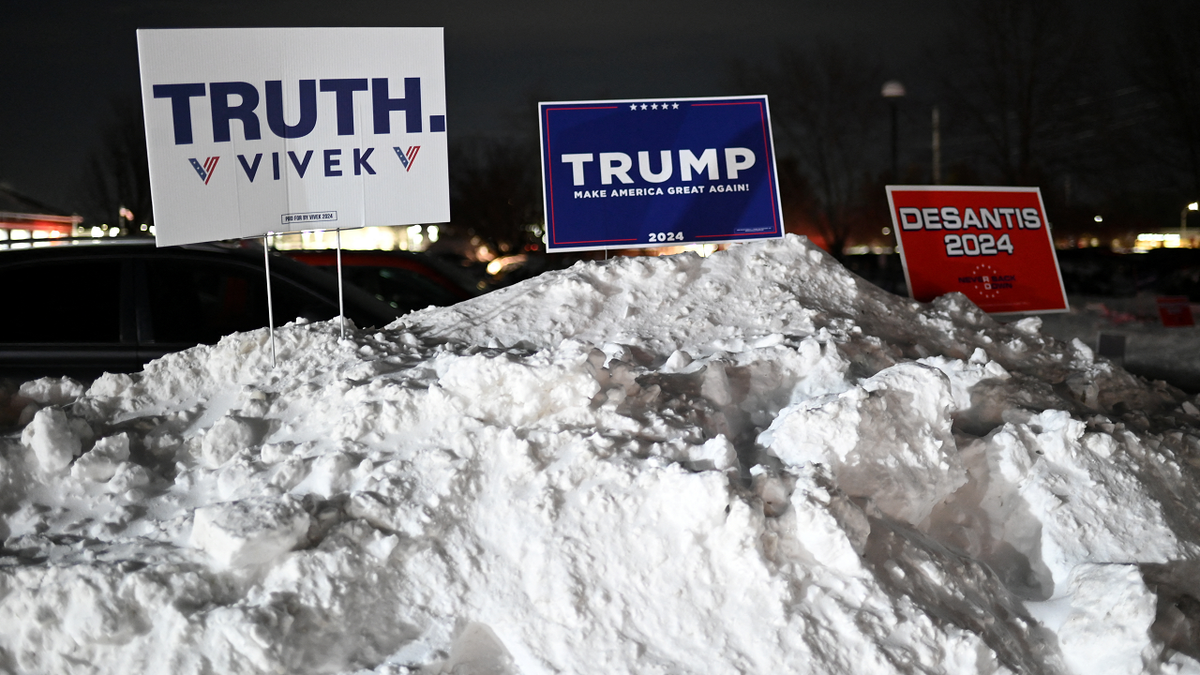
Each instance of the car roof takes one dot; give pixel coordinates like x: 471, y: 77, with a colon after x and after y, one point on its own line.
x: 455, y: 281
x: 31, y: 251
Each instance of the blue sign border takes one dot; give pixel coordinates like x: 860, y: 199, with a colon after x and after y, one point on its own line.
x: 636, y: 173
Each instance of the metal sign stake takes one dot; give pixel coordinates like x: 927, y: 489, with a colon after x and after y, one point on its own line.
x: 270, y: 306
x: 341, y: 301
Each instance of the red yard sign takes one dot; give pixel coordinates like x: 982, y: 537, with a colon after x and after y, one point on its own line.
x: 1175, y: 311
x: 991, y: 244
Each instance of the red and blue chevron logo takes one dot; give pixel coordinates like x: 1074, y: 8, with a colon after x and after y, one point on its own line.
x: 407, y: 158
x: 205, y: 170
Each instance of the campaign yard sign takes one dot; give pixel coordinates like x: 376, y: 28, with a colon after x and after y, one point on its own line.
x: 658, y: 172
x: 1175, y: 311
x: 990, y: 243
x: 257, y: 130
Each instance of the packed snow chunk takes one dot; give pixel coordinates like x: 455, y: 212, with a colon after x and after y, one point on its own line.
x: 716, y: 453
x: 888, y: 439
x: 1107, y: 629
x: 515, y: 390
x: 827, y: 527
x: 52, y: 390
x: 53, y: 439
x: 100, y: 463
x: 680, y: 302
x: 226, y: 437
x: 1048, y: 481
x: 101, y: 618
x: 1030, y: 325
x: 1046, y: 495
x: 478, y: 651
x: 965, y: 375
x: 250, y: 531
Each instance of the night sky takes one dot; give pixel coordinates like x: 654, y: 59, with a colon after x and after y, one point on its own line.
x: 62, y: 62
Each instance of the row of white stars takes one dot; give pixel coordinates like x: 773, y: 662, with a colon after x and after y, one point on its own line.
x: 653, y: 106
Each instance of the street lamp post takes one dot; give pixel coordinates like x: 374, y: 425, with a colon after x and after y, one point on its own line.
x: 1183, y: 217
x: 936, y: 146
x: 892, y: 91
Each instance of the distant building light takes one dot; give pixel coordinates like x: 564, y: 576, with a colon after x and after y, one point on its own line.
x: 893, y: 89
x: 1150, y: 240
x: 413, y: 241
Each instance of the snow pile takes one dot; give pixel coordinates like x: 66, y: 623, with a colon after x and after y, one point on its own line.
x: 749, y: 463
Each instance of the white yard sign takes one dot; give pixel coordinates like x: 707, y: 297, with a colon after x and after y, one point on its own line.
x: 257, y: 130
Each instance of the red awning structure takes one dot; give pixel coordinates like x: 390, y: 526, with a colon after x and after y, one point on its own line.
x: 21, y: 217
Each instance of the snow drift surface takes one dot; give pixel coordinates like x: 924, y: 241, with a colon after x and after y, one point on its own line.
x: 750, y: 463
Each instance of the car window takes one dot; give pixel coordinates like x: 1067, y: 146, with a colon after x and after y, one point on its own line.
x: 71, y: 302
x: 403, y: 289
x: 201, y: 301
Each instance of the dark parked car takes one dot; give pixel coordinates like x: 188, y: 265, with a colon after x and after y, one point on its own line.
x: 80, y: 308
x: 406, y: 281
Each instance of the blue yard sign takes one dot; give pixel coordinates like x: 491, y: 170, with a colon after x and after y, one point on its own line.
x: 658, y: 172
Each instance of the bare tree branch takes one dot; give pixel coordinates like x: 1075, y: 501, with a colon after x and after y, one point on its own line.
x: 119, y: 172
x: 827, y: 112
x: 1163, y: 55
x: 1015, y: 69
x: 495, y: 194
